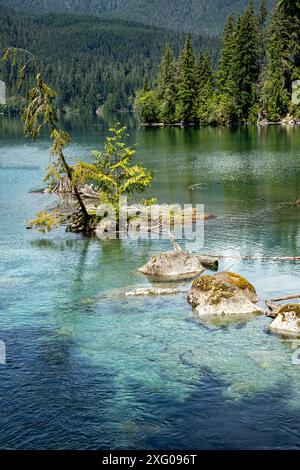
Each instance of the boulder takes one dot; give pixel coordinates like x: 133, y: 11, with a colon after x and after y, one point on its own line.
x: 287, y: 321
x: 173, y: 265
x: 224, y: 293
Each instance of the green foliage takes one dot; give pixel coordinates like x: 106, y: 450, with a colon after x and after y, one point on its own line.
x: 185, y: 15
x: 245, y: 67
x: 222, y: 109
x: 186, y: 104
x: 274, y: 93
x: 39, y: 112
x: 205, y: 87
x: 91, y: 62
x: 254, y: 77
x: 262, y: 13
x: 291, y: 12
x: 147, y: 105
x: 46, y: 221
x: 224, y: 79
x: 167, y: 86
x: 112, y: 169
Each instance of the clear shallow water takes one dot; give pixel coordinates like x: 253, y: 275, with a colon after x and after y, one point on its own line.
x: 87, y: 368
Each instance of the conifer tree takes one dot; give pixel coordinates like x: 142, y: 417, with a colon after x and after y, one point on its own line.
x: 246, y: 64
x: 186, y: 106
x: 224, y: 74
x: 274, y: 93
x: 205, y: 86
x: 223, y: 100
x: 291, y: 12
x: 262, y: 18
x: 167, y: 86
x: 262, y: 13
x: 146, y: 84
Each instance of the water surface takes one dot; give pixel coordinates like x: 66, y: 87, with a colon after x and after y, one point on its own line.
x: 89, y: 369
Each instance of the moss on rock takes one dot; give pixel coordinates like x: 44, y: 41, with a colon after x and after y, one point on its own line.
x: 290, y: 308
x: 287, y: 321
x: 224, y: 286
x: 223, y: 292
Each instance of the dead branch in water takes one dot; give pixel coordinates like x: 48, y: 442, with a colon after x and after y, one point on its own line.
x: 174, y: 242
x: 262, y: 258
x: 287, y: 297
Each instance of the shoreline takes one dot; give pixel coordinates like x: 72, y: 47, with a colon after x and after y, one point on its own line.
x: 187, y: 124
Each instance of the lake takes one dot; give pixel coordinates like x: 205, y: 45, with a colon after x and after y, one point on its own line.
x: 88, y: 368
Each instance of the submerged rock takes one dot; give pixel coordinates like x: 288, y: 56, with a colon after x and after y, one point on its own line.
x: 287, y: 321
x: 224, y: 293
x: 144, y: 292
x: 173, y: 265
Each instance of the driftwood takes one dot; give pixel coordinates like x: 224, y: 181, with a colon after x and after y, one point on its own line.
x: 65, y: 186
x: 287, y: 297
x: 263, y: 258
x: 273, y: 307
x: 207, y: 261
x: 88, y: 192
x: 174, y: 242
x: 153, y: 291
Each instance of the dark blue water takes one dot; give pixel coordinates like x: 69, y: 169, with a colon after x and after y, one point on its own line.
x: 88, y: 368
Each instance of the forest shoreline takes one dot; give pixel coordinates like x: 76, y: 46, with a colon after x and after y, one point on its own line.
x: 199, y: 125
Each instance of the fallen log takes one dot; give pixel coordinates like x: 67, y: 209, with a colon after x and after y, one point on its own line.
x: 153, y: 291
x: 261, y: 258
x: 274, y: 307
x: 287, y: 297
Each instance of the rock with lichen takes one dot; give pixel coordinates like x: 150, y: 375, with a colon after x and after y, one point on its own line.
x: 287, y: 321
x: 173, y: 265
x: 224, y: 293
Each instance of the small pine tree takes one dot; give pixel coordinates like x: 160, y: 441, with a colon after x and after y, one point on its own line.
x: 112, y: 170
x: 186, y: 106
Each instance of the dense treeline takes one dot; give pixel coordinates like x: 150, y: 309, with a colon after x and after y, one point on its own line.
x: 196, y: 16
x: 259, y: 60
x: 91, y: 62
x: 67, y: 6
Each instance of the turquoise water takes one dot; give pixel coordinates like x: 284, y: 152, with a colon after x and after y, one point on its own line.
x: 88, y: 368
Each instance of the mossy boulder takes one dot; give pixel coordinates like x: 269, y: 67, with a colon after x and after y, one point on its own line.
x: 225, y: 293
x: 173, y: 265
x: 287, y: 321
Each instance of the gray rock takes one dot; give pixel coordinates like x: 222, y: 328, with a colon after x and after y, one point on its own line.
x: 224, y: 293
x: 287, y: 321
x: 173, y: 265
